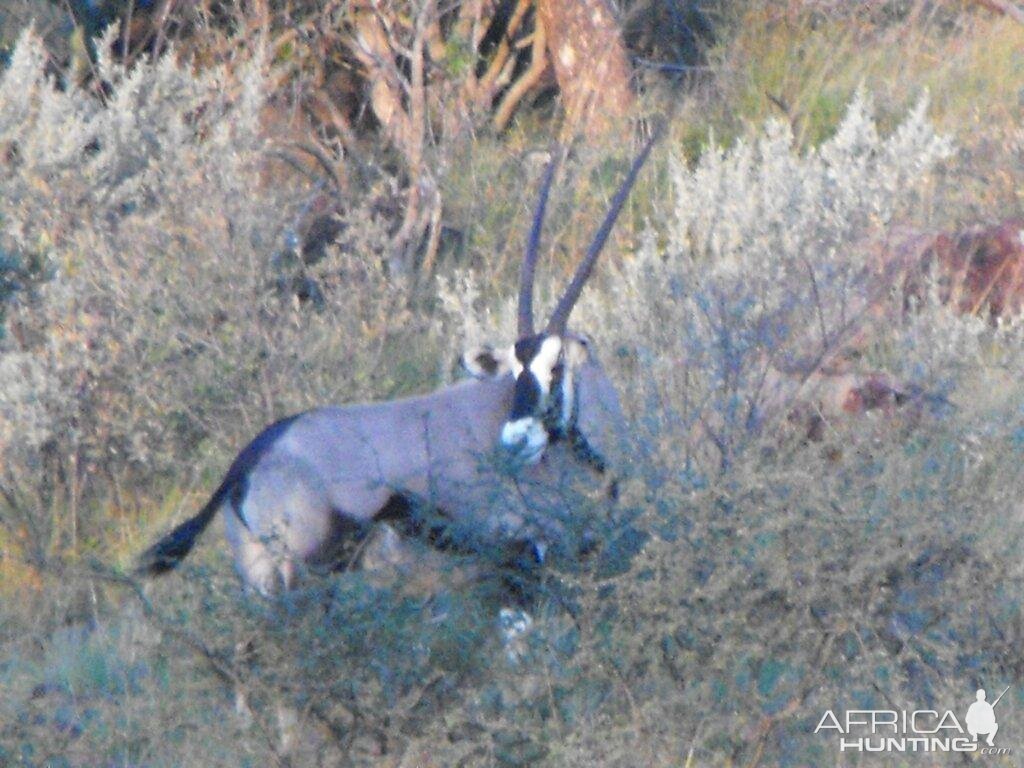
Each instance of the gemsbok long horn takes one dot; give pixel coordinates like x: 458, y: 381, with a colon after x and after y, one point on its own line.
x: 526, y: 276
x: 560, y: 316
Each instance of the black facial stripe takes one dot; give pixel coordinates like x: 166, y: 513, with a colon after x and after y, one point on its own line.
x: 552, y: 416
x: 526, y: 349
x: 526, y: 402
x: 526, y: 396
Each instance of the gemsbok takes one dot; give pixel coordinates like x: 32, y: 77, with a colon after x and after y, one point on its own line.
x: 487, y: 456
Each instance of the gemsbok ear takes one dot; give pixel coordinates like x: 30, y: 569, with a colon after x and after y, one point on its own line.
x: 484, y: 362
x: 577, y: 349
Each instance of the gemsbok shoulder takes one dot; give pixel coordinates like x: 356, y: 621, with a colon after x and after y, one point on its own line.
x: 486, y: 455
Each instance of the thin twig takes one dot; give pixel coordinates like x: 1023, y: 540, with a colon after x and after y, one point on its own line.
x: 322, y: 160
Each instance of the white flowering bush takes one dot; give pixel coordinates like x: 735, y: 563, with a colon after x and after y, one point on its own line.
x: 765, y: 267
x: 761, y: 265
x: 792, y: 579
x: 157, y: 320
x: 783, y: 578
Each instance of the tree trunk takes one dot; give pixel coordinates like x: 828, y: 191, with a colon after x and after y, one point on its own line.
x: 590, y: 62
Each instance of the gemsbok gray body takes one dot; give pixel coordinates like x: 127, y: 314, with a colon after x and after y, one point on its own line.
x: 491, y: 456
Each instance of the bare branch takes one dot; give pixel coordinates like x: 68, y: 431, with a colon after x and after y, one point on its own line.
x: 526, y: 82
x: 488, y: 81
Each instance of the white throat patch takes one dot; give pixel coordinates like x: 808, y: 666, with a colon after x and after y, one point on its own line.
x: 527, y: 437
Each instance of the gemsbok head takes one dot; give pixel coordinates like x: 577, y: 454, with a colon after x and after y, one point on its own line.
x: 545, y: 365
x: 309, y: 486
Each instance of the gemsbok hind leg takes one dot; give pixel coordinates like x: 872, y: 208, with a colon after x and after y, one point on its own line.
x: 263, y: 573
x: 283, y: 520
x: 262, y: 568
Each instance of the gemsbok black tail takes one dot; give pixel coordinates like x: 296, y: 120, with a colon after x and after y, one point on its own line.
x: 168, y: 552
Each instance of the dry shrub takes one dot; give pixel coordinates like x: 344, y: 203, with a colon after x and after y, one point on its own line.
x: 161, y: 321
x: 755, y: 267
x: 783, y: 579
